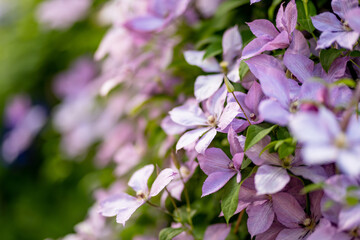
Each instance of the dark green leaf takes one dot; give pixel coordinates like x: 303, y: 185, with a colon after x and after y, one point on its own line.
x: 255, y: 133
x: 227, y: 6
x: 327, y: 57
x: 355, y: 54
x: 245, y: 163
x: 269, y: 146
x: 282, y: 133
x: 352, y: 201
x: 303, y: 19
x: 170, y: 233
x: 213, y: 50
x: 271, y: 9
x: 230, y: 198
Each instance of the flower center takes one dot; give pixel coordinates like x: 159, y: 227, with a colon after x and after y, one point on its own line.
x: 286, y: 163
x: 212, y: 120
x: 341, y: 141
x: 231, y: 165
x: 140, y: 195
x: 347, y: 27
x: 224, y: 66
x: 252, y: 116
x: 294, y: 106
x: 184, y: 171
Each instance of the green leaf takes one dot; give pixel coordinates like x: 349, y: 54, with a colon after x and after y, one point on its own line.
x: 327, y: 57
x: 303, y: 19
x: 282, y: 133
x: 355, y: 54
x: 312, y: 187
x: 213, y: 49
x: 170, y: 233
x: 271, y: 10
x: 243, y: 70
x: 269, y: 146
x: 182, y: 215
x: 228, y: 6
x: 245, y: 163
x: 230, y: 198
x: 255, y: 133
x: 286, y: 150
x: 346, y: 81
x: 352, y: 201
x: 206, y: 41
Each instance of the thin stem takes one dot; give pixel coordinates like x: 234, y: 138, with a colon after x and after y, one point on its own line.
x: 188, y: 207
x: 238, y: 221
x: 241, y: 108
x: 354, y: 63
x: 160, y: 208
x: 171, y: 199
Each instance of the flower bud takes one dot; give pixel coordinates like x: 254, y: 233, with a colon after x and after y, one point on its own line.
x: 230, y: 88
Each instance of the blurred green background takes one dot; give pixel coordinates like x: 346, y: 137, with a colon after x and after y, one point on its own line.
x: 38, y: 198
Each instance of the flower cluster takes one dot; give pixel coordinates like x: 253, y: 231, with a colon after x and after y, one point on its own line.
x: 272, y: 121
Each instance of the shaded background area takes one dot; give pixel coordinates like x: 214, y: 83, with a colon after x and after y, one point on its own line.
x: 42, y: 194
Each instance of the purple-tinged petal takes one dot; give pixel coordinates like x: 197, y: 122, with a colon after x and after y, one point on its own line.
x: 217, y: 232
x: 301, y: 66
x: 215, y: 104
x: 279, y: 18
x: 290, y: 17
x: 263, y: 28
x: 190, y: 137
x: 196, y: 58
x: 170, y: 127
x: 125, y: 213
x: 270, y: 180
x: 262, y: 44
x: 291, y: 234
x: 189, y: 114
x: 315, y: 174
x: 235, y: 146
x: 271, y: 233
x: 353, y: 19
x: 327, y: 22
x: 266, y: 157
x: 299, y: 45
x: 231, y: 44
x: 237, y: 159
x: 324, y: 230
x: 145, y: 24
x: 139, y: 179
x: 162, y: 180
x: 231, y: 110
x: 253, y: 97
x: 254, y: 1
x: 215, y: 181
x: 207, y: 85
x: 261, y: 217
x: 336, y: 187
x: 111, y: 206
x: 336, y: 71
x: 349, y: 218
x: 288, y: 211
x: 214, y: 160
x: 319, y: 154
x: 205, y: 140
x: 273, y: 80
x: 348, y: 162
x: 315, y: 204
x: 344, y: 39
x: 353, y: 130
x: 341, y: 7
x: 272, y: 111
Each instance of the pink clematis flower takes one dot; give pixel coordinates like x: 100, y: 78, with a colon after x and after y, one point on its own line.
x: 124, y: 205
x: 206, y: 124
x: 267, y: 36
x: 207, y: 85
x: 345, y: 32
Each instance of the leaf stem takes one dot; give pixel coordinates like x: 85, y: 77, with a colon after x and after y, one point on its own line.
x: 238, y: 221
x: 241, y: 108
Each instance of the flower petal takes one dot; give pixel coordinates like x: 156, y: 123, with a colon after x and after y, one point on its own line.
x: 162, y: 180
x: 139, y: 179
x: 269, y: 179
x: 205, y: 140
x: 215, y: 181
x: 217, y: 232
x: 288, y: 211
x: 206, y: 86
x: 261, y: 217
x: 214, y: 160
x: 190, y: 137
x: 197, y: 58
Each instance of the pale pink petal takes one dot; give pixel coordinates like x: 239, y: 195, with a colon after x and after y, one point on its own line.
x: 292, y: 234
x: 139, y: 179
x: 353, y: 19
x: 214, y: 160
x: 206, y: 86
x: 215, y: 181
x: 217, y: 232
x: 205, y: 140
x: 272, y: 111
x: 349, y: 218
x: 263, y: 28
x: 125, y: 213
x: 341, y: 7
x: 162, y: 180
x: 190, y: 137
x: 269, y: 179
x: 261, y: 217
x: 196, y: 58
x: 231, y: 44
